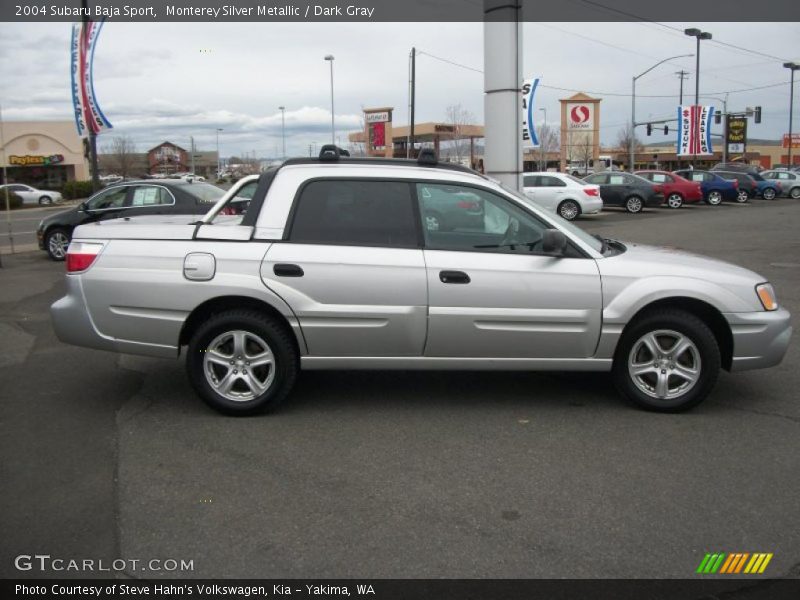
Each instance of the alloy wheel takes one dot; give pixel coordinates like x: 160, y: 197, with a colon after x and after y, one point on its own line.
x: 568, y: 210
x: 239, y: 365
x: 714, y: 198
x: 742, y: 196
x: 769, y: 194
x: 633, y: 204
x: 795, y: 193
x: 674, y: 201
x: 57, y: 244
x: 664, y: 364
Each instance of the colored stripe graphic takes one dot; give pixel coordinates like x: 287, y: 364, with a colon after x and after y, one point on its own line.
x: 734, y: 563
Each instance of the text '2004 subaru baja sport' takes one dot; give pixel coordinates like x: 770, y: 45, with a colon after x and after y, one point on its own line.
x: 340, y: 263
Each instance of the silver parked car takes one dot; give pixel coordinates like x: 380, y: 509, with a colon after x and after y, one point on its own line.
x: 332, y: 264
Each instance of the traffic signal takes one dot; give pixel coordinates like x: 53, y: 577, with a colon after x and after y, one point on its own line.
x: 649, y: 129
x: 757, y: 118
x: 666, y: 129
x: 717, y: 118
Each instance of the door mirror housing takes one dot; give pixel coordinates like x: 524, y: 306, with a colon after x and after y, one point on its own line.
x: 83, y: 206
x: 554, y: 242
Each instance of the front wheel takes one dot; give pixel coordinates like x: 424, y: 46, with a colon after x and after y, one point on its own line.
x: 55, y: 243
x: 667, y: 361
x: 634, y: 204
x: 675, y: 200
x: 45, y: 200
x: 769, y: 194
x: 714, y: 198
x: 242, y: 362
x: 742, y: 196
x: 569, y: 210
x: 795, y: 193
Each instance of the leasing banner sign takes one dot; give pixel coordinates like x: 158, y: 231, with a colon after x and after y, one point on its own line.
x: 694, y: 130
x: 88, y: 116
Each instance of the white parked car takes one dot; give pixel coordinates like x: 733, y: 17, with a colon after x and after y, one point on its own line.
x: 192, y: 177
x: 31, y: 195
x: 567, y: 196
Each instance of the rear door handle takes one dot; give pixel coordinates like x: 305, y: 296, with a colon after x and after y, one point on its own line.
x: 288, y: 270
x: 453, y: 277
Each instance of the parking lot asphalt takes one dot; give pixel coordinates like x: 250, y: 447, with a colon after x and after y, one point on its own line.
x: 400, y: 474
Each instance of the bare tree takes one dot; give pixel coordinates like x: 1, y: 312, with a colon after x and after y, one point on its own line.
x: 457, y: 117
x: 549, y: 141
x: 120, y: 155
x: 624, y: 137
x: 583, y: 150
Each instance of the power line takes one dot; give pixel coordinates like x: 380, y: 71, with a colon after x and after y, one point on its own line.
x: 596, y: 93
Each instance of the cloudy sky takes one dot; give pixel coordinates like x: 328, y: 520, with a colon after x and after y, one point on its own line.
x: 169, y: 81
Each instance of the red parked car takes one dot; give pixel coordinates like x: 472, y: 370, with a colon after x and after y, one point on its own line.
x: 676, y: 189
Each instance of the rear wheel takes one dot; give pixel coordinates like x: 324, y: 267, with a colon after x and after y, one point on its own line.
x: 634, y: 204
x: 795, y: 193
x: 769, y: 194
x: 569, y: 210
x: 242, y: 362
x: 55, y: 243
x: 742, y: 196
x: 667, y: 361
x: 45, y: 200
x: 714, y: 197
x: 674, y: 200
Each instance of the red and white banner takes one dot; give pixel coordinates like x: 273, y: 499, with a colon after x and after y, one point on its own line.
x: 694, y: 130
x: 88, y: 116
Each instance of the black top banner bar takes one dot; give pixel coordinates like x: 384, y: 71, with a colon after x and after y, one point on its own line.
x: 400, y: 10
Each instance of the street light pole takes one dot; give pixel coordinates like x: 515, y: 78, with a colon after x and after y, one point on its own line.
x: 792, y: 68
x: 283, y: 130
x: 543, y: 166
x: 219, y: 168
x: 699, y: 35
x: 632, y: 137
x: 330, y: 59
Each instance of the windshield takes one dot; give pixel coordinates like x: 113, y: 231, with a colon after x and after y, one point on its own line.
x: 205, y: 192
x: 570, y: 228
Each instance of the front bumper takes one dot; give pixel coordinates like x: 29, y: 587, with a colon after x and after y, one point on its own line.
x: 760, y: 339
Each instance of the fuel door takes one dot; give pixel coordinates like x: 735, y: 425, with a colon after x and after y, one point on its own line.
x: 199, y: 266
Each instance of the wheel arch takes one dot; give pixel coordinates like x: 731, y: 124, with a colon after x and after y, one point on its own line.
x: 706, y: 312
x: 220, y: 304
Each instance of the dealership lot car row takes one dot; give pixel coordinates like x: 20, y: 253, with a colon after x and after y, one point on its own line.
x: 337, y: 263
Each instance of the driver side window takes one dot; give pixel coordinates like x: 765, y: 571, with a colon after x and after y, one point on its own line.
x: 467, y: 219
x: 113, y: 198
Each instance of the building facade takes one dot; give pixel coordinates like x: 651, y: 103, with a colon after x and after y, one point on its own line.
x: 44, y: 154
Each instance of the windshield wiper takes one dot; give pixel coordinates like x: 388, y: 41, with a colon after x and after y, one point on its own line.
x: 603, y: 241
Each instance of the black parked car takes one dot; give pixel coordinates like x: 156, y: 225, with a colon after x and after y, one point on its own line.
x: 737, y: 167
x: 627, y: 190
x: 124, y: 200
x: 746, y: 184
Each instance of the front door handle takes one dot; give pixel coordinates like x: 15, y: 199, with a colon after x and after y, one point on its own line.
x: 453, y: 277
x: 288, y: 270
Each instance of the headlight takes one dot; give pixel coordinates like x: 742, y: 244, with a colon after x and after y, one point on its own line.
x: 767, y: 296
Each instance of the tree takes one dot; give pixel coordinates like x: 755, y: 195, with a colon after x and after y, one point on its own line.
x: 549, y: 141
x: 120, y: 155
x: 583, y: 150
x: 624, y: 137
x: 457, y: 117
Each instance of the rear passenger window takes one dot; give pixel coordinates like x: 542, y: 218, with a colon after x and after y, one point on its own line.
x: 150, y: 196
x: 355, y: 213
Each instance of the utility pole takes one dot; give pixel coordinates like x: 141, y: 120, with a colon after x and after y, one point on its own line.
x: 5, y: 183
x: 330, y: 59
x: 699, y: 35
x: 283, y: 130
x: 792, y: 68
x: 543, y: 166
x: 412, y: 103
x: 682, y: 75
x: 191, y: 145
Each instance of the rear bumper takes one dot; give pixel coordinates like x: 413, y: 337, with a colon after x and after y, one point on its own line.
x: 73, y: 324
x: 760, y: 339
x: 591, y: 205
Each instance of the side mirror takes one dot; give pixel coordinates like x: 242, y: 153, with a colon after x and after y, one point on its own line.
x: 554, y: 242
x: 83, y: 206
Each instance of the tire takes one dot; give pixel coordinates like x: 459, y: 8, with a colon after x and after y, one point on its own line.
x: 247, y: 331
x: 55, y: 243
x: 769, y: 194
x: 45, y: 200
x: 674, y: 200
x: 634, y: 204
x: 795, y: 192
x: 714, y: 198
x: 569, y: 210
x: 433, y: 221
x: 742, y: 196
x: 689, y: 377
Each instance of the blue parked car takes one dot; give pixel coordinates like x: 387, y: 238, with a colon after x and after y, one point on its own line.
x: 768, y: 189
x: 715, y: 188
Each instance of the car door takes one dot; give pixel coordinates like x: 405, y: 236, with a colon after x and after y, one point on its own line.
x: 553, y: 191
x: 25, y: 192
x: 107, y: 204
x: 492, y: 294
x: 351, y: 268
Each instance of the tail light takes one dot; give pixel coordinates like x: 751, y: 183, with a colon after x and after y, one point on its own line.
x: 658, y: 188
x: 736, y: 183
x: 81, y: 255
x: 591, y: 191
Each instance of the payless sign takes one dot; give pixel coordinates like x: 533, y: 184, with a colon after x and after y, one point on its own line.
x: 737, y: 135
